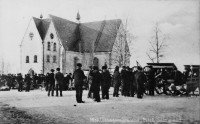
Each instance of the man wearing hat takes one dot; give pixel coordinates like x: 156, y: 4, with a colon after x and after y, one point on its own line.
x: 96, y: 82
x: 19, y: 81
x: 78, y: 77
x: 106, y: 82
x: 124, y: 81
x: 59, y: 81
x: 51, y: 83
x: 133, y: 81
x: 140, y: 80
x: 128, y: 81
x: 27, y: 80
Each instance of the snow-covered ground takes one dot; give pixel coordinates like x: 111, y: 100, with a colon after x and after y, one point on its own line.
x: 116, y: 109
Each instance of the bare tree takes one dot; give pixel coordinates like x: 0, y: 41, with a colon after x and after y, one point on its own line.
x: 158, y: 46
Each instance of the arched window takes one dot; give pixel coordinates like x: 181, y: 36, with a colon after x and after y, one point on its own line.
x: 54, y: 59
x: 35, y: 58
x: 48, y: 58
x: 96, y: 62
x: 27, y: 59
x: 54, y: 47
x: 48, y: 46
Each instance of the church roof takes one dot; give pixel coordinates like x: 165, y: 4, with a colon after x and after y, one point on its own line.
x: 106, y: 29
x: 42, y: 26
x: 100, y: 33
x: 66, y: 30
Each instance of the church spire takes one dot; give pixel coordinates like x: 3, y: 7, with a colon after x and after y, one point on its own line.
x: 78, y: 17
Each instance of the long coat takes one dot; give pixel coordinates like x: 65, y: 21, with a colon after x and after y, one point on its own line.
x: 59, y: 78
x: 140, y: 80
x: 116, y: 79
x: 106, y: 79
x: 19, y: 79
x: 51, y: 79
x: 27, y: 80
x: 78, y: 77
x: 96, y: 81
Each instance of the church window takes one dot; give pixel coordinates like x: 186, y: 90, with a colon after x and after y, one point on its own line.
x: 54, y: 47
x: 49, y: 46
x: 51, y: 35
x: 35, y: 58
x: 54, y: 59
x: 96, y: 62
x: 27, y: 59
x: 31, y: 35
x: 48, y: 58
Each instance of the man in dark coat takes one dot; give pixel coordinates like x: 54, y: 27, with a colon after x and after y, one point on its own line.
x: 151, y: 80
x: 106, y: 82
x: 13, y: 81
x: 19, y: 81
x: 128, y: 81
x: 78, y: 77
x: 59, y: 81
x: 133, y: 82
x: 140, y: 80
x: 116, y: 81
x: 96, y: 82
x: 124, y: 80
x: 27, y: 80
x: 35, y: 79
x: 9, y: 81
x: 51, y: 83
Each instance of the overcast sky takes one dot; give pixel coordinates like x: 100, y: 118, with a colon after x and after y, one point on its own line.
x: 178, y: 18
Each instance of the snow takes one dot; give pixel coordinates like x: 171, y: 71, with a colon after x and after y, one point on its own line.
x: 119, y: 109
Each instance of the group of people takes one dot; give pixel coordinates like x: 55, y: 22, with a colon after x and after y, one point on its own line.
x: 130, y: 81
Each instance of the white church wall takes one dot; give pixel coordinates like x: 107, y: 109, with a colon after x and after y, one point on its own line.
x: 51, y: 65
x: 103, y: 57
x: 31, y: 47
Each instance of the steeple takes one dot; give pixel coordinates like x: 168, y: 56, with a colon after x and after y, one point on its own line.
x: 78, y: 17
x: 41, y: 16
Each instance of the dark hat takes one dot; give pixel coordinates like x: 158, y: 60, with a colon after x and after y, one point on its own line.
x: 95, y: 67
x: 79, y: 64
x: 52, y: 70
x: 117, y: 67
x: 124, y: 67
x: 139, y: 68
x: 104, y: 67
x: 58, y: 69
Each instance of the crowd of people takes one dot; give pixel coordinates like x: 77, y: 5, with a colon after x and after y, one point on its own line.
x: 129, y: 81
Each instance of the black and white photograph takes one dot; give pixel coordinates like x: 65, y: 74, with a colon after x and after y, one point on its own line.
x: 99, y: 61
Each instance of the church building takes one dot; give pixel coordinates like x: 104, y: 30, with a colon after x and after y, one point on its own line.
x: 56, y: 42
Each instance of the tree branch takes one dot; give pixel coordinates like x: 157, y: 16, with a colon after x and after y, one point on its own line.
x: 150, y: 57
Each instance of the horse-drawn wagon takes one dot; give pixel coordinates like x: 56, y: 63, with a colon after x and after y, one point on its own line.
x: 174, y: 82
